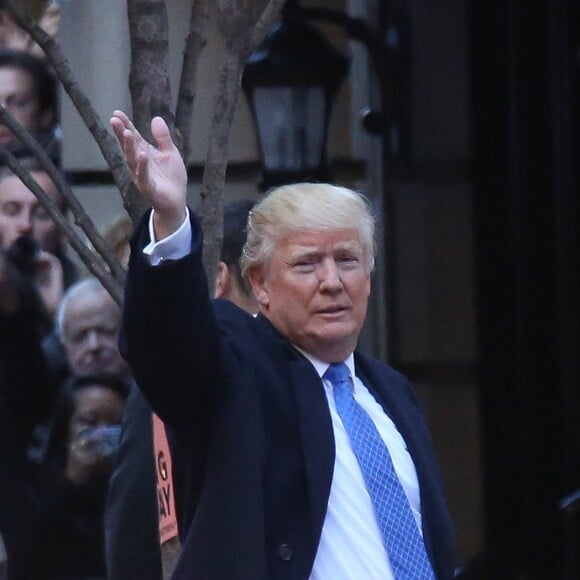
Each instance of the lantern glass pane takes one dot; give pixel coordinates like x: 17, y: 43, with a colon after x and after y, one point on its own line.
x: 291, y: 124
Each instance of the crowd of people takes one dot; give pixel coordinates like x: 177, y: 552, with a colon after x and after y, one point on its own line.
x: 260, y: 395
x: 74, y: 427
x: 63, y: 382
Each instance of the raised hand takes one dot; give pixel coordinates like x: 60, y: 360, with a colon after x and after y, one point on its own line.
x: 157, y: 170
x: 49, y: 280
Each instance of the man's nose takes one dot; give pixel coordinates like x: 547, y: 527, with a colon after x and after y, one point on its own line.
x: 330, y: 280
x: 24, y: 223
x: 93, y: 340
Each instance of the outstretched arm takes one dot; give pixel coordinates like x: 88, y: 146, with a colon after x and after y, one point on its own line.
x: 157, y: 170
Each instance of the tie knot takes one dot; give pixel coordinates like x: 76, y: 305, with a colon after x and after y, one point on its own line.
x: 337, y: 373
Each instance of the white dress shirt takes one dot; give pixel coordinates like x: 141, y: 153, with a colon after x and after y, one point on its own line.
x: 351, y: 546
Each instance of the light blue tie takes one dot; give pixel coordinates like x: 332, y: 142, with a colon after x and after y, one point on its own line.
x: 401, y: 535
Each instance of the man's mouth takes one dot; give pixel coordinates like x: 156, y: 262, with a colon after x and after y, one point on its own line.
x: 333, y: 310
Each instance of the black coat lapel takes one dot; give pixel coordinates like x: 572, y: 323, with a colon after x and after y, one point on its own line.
x: 317, y: 437
x: 314, y: 421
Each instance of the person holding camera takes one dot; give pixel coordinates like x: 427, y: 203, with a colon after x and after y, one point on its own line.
x: 31, y: 235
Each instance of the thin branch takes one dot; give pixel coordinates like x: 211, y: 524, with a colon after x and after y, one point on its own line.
x: 194, y: 45
x: 93, y: 262
x: 270, y: 15
x: 214, y: 174
x: 239, y: 33
x: 82, y: 219
x: 133, y: 201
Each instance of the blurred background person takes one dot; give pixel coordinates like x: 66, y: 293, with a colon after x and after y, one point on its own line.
x: 84, y: 342
x: 27, y: 395
x: 117, y: 235
x: 23, y: 216
x: 65, y: 497
x: 26, y: 385
x: 88, y: 322
x: 28, y: 92
x: 14, y: 38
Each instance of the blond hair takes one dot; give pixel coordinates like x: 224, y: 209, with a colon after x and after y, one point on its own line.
x: 306, y: 207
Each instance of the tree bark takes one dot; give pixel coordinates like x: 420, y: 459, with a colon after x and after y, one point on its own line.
x: 214, y: 175
x: 149, y: 78
x: 194, y: 45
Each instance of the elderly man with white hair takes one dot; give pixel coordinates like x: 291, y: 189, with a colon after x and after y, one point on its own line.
x: 303, y: 457
x: 88, y: 322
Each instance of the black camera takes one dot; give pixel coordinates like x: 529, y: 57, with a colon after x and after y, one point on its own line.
x: 23, y: 254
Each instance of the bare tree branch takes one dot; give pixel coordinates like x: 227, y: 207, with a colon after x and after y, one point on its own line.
x: 150, y: 89
x: 269, y: 16
x: 214, y: 175
x: 235, y: 19
x: 82, y: 219
x: 133, y: 201
x: 93, y: 262
x: 149, y: 78
x: 194, y: 45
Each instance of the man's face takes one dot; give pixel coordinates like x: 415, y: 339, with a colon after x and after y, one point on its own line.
x: 21, y: 214
x: 90, y: 332
x: 315, y: 291
x: 18, y: 97
x: 96, y: 406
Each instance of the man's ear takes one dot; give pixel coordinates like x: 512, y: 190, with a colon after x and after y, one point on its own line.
x: 258, y: 284
x: 222, y: 281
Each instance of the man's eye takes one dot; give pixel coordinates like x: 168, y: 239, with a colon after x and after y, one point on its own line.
x: 109, y: 331
x: 78, y: 337
x: 11, y: 209
x: 41, y: 214
x: 14, y: 102
x: 348, y: 259
x: 304, y: 265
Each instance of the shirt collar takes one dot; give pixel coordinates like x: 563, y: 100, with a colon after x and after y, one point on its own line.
x: 322, y: 366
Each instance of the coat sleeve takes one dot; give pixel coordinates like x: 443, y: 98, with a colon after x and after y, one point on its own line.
x: 170, y: 336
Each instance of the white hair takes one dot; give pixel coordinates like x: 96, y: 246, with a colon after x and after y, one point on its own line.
x: 85, y: 286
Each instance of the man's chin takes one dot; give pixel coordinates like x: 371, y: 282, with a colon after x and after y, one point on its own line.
x: 99, y: 368
x: 332, y: 344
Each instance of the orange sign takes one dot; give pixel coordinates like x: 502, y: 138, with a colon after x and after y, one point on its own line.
x: 167, y: 519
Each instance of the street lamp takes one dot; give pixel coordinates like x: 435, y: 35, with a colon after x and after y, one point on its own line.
x: 291, y: 83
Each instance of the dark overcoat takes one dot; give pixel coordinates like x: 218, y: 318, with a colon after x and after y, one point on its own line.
x: 252, y: 439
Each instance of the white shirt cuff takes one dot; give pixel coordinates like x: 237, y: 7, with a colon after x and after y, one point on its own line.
x: 173, y: 247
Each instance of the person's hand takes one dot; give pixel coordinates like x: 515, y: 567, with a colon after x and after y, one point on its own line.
x: 158, y: 171
x: 49, y: 280
x: 91, y: 452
